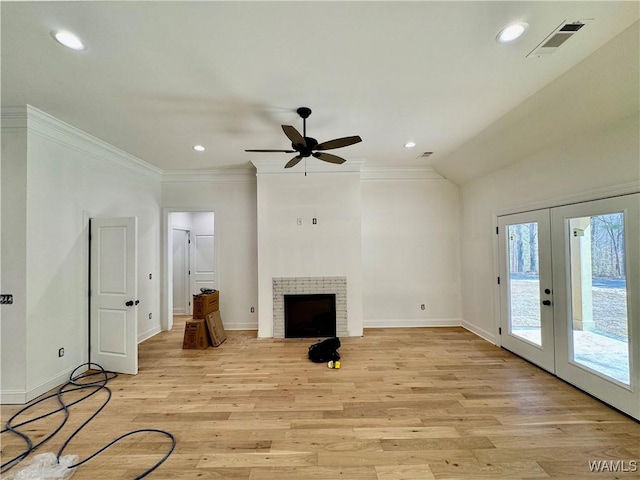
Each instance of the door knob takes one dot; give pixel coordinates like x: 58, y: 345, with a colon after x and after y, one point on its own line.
x: 129, y: 303
x: 547, y: 291
x: 546, y: 302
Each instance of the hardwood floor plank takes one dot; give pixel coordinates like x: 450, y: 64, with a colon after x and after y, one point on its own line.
x: 407, y: 404
x: 258, y: 459
x: 404, y: 472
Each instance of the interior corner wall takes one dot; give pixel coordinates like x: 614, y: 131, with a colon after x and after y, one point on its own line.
x: 69, y: 177
x: 234, y: 205
x: 410, y: 253
x: 596, y: 160
x: 13, y: 331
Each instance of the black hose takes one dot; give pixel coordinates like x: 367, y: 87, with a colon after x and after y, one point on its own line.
x: 75, y: 385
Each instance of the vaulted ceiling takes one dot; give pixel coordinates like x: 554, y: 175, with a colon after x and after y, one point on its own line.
x: 158, y: 78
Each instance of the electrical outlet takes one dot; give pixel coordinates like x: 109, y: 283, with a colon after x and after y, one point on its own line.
x: 314, y: 221
x: 253, y: 309
x: 150, y: 276
x: 422, y: 307
x: 61, y: 352
x: 150, y: 315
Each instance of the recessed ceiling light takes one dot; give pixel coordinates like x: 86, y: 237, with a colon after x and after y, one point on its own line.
x: 199, y: 148
x: 410, y: 144
x: 68, y: 39
x: 511, y: 32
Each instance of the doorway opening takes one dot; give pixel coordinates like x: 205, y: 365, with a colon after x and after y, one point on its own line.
x: 569, y: 299
x: 190, y: 260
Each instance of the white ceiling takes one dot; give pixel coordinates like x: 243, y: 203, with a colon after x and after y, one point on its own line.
x: 160, y: 77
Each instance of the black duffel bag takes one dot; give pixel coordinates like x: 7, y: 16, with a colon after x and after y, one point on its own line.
x: 325, y: 351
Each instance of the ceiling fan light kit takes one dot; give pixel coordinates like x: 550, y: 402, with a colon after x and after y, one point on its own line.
x: 307, y: 146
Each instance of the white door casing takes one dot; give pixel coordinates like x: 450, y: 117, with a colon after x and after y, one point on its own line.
x: 113, y: 294
x: 181, y: 282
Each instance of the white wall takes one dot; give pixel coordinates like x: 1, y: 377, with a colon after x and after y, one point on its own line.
x: 330, y: 248
x: 13, y: 329
x: 588, y: 166
x: 410, y: 251
x: 232, y: 198
x: 71, y: 176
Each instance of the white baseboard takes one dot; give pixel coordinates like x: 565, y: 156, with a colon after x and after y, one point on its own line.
x: 21, y: 397
x: 413, y: 322
x: 13, y: 397
x: 488, y: 336
x: 149, y: 333
x: 242, y: 326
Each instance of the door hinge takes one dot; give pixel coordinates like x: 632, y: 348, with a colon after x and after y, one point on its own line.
x: 189, y: 272
x: 498, y: 280
x: 499, y: 330
x: 496, y: 230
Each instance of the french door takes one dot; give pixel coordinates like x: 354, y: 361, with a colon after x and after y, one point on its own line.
x: 570, y: 292
x: 526, y: 287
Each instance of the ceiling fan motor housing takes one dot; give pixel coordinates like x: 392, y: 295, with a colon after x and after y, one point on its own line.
x: 305, y: 150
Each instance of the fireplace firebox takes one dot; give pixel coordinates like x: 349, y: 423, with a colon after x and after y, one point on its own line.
x: 310, y: 315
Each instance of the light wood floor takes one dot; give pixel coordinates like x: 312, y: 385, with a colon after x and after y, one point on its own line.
x: 421, y: 403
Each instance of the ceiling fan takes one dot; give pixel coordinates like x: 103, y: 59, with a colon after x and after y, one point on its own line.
x: 306, y: 146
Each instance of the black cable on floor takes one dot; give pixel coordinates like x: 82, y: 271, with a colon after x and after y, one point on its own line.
x: 75, y: 383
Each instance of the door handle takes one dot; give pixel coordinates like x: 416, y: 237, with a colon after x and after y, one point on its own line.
x: 546, y: 302
x: 129, y: 303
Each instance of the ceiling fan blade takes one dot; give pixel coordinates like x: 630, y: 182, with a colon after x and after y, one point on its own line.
x: 293, y: 162
x: 327, y: 157
x: 294, y: 135
x: 338, y: 143
x: 281, y: 151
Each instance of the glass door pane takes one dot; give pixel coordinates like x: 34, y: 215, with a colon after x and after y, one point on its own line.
x: 524, y: 282
x: 598, y: 284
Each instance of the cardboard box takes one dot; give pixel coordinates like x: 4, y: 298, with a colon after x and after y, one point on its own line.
x: 195, y: 335
x: 203, y: 304
x: 216, y: 329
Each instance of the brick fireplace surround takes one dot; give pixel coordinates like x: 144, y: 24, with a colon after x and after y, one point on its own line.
x: 309, y: 285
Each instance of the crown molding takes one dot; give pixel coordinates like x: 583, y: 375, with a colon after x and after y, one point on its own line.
x: 46, y: 126
x: 396, y: 173
x: 13, y: 118
x: 276, y: 166
x: 239, y: 175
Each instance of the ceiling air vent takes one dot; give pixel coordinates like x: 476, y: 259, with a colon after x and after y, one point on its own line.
x: 426, y: 155
x: 557, y: 38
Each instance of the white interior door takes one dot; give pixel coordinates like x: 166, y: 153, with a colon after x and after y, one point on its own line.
x: 181, y: 288
x: 596, y: 249
x: 526, y: 291
x: 113, y: 294
x: 203, y: 272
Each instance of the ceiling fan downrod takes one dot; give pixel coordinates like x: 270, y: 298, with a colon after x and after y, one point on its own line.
x: 304, y: 113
